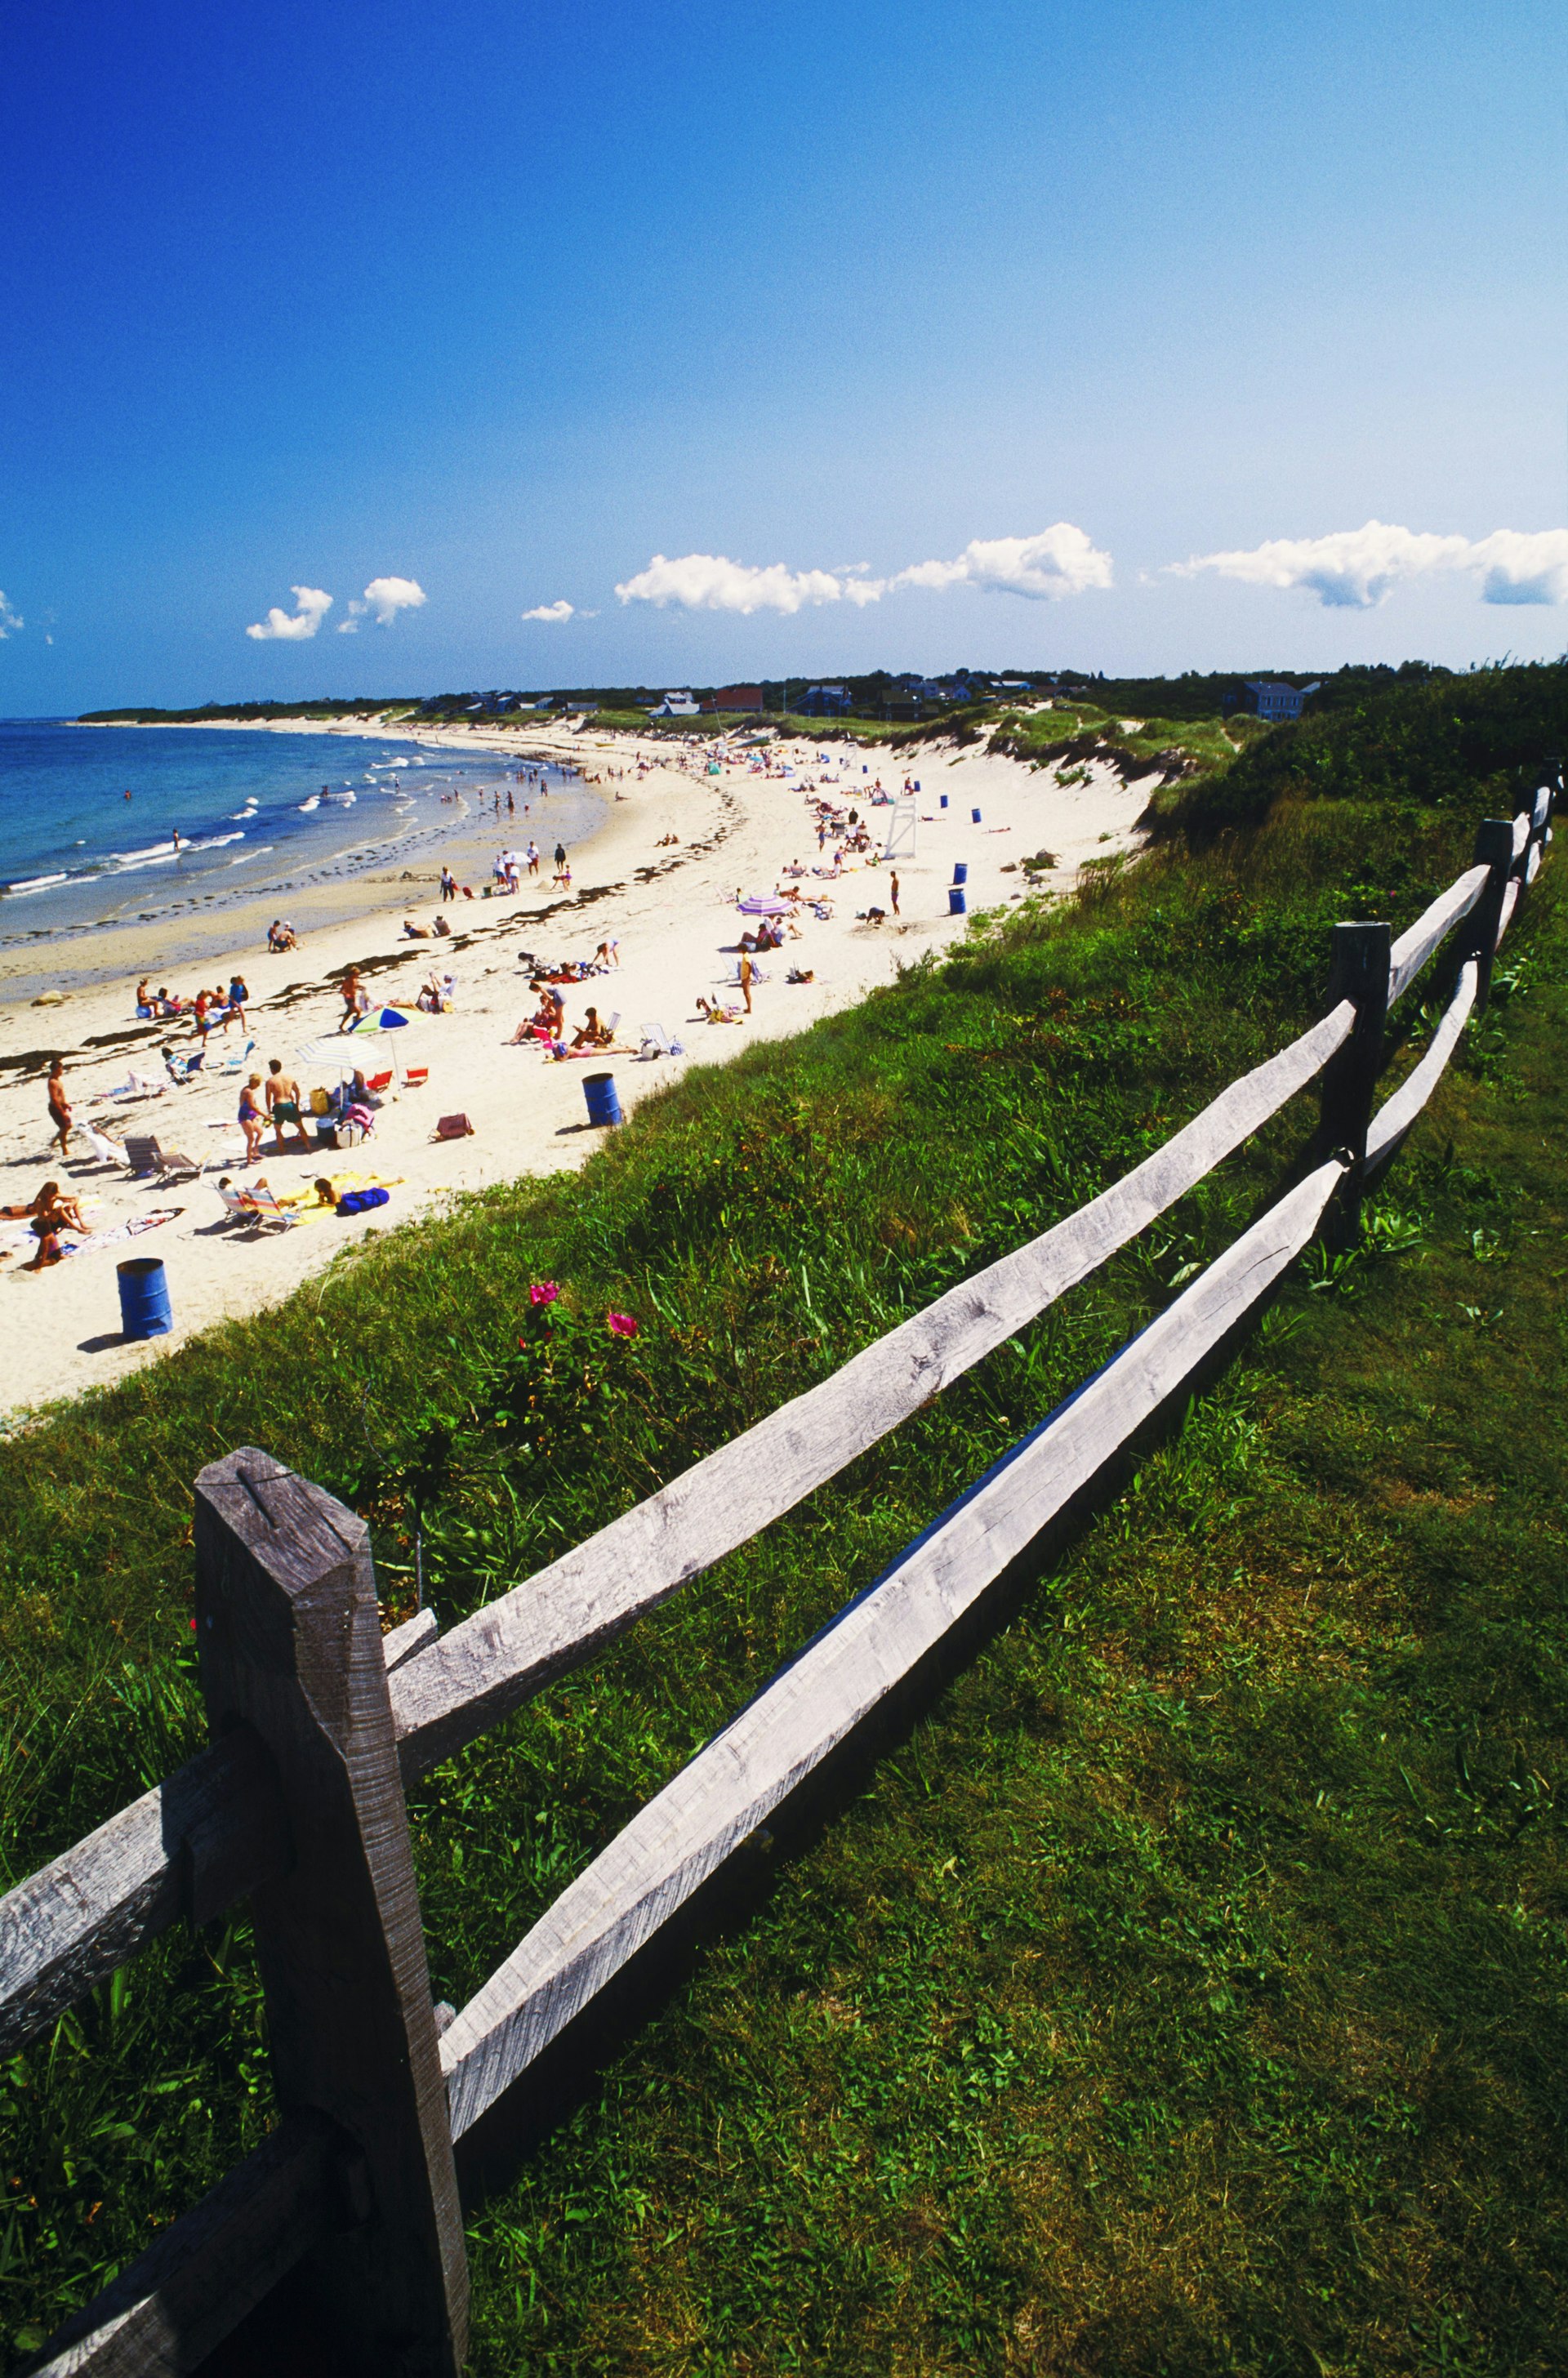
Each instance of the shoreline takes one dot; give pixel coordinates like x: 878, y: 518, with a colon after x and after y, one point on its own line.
x: 670, y: 906
x: 337, y: 887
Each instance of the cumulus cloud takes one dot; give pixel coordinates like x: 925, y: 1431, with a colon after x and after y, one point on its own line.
x: 1059, y: 560
x: 562, y: 610
x: 385, y: 597
x: 708, y: 581
x: 310, y: 608
x: 1357, y: 568
x: 10, y: 621
x: 1523, y: 566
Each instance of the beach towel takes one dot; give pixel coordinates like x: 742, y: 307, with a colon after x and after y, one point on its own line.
x: 117, y: 1237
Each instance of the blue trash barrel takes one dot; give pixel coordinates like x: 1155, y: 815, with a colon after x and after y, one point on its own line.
x: 961, y: 871
x: 144, y: 1297
x: 974, y: 815
x: 958, y: 900
x: 943, y: 799
x: 604, y: 1104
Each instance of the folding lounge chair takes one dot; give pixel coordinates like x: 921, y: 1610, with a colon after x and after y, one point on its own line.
x: 238, y: 1204
x: 267, y: 1208
x: 172, y: 1166
x: 141, y: 1152
x: 107, y: 1151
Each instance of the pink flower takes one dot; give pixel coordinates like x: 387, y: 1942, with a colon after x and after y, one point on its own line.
x: 543, y: 1291
x: 621, y: 1325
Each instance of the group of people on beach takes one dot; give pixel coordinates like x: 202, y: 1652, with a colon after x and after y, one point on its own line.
x: 209, y: 1010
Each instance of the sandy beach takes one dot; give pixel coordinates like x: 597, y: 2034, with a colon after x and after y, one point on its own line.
x: 669, y: 906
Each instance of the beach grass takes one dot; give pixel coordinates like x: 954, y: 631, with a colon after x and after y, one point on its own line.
x: 1186, y: 1992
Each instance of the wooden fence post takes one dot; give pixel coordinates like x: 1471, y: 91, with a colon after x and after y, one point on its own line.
x: 1360, y: 972
x: 1494, y: 849
x: 291, y: 1647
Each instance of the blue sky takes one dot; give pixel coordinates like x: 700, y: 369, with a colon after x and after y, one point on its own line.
x: 497, y: 303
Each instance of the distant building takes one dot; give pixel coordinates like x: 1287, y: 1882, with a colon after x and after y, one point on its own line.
x: 825, y: 702
x: 683, y: 704
x: 738, y: 697
x: 1269, y: 698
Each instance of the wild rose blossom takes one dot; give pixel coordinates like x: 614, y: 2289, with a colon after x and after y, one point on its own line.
x: 621, y: 1325
x: 543, y: 1291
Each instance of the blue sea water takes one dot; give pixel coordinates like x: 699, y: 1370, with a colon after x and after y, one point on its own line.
x: 256, y: 813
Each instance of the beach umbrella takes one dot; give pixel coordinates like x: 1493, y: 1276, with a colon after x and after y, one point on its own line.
x: 756, y: 907
x: 332, y: 1048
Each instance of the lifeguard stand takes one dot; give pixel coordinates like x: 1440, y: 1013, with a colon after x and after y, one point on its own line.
x: 901, y: 832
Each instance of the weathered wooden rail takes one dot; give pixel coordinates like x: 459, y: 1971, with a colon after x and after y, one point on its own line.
x: 320, y: 1722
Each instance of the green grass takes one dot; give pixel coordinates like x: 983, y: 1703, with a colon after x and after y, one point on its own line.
x: 1186, y: 1992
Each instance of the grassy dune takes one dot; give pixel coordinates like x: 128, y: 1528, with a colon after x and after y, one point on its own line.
x: 1186, y: 1992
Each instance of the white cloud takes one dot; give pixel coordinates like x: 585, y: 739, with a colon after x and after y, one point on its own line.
x: 10, y: 620
x: 311, y: 606
x: 562, y: 610
x: 1358, y: 567
x: 707, y: 582
x: 1059, y: 560
x: 385, y: 597
x: 1524, y: 567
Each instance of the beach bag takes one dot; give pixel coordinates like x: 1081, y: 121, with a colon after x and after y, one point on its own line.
x: 360, y: 1201
x: 455, y: 1126
x: 320, y: 1103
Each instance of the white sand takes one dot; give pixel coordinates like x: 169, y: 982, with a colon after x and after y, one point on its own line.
x: 59, y: 1329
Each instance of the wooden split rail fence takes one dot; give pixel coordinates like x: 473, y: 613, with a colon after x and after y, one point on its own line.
x: 320, y: 1723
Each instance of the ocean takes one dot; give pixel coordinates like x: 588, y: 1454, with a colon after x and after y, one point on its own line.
x: 90, y: 817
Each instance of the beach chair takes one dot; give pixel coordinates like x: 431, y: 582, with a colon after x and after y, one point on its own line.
x: 378, y: 1082
x: 107, y: 1151
x: 265, y: 1209
x: 172, y: 1166
x: 141, y: 1152
x: 232, y: 1064
x: 238, y: 1204
x: 415, y: 1076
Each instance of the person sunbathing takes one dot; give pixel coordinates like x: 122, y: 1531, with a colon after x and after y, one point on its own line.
x: 713, y: 1014
x: 416, y: 933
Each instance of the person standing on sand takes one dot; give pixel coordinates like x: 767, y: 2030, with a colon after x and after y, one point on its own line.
x: 60, y: 1106
x: 251, y: 1120
x: 560, y: 856
x: 746, y: 978
x: 282, y: 1105
x: 893, y: 887
x: 533, y: 858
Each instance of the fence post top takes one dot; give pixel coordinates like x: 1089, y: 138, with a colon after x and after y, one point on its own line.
x: 292, y: 1528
